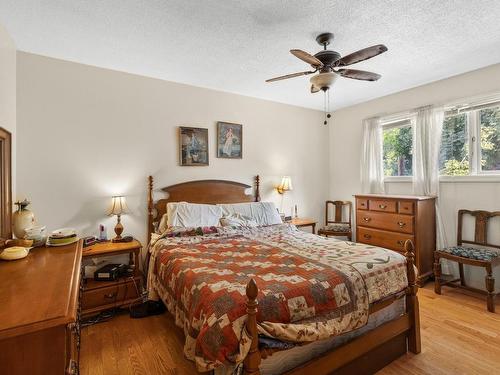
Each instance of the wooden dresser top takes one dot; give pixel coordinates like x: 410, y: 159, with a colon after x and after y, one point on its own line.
x: 393, y: 196
x: 39, y: 291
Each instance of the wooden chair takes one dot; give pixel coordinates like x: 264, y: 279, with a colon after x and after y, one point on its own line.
x: 337, y: 227
x: 475, y: 256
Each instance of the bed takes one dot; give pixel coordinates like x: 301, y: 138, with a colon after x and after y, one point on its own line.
x: 273, y: 299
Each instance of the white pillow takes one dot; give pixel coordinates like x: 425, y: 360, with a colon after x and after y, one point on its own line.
x: 183, y: 214
x: 264, y: 213
x: 237, y: 220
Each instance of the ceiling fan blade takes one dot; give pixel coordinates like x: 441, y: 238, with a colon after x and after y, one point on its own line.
x: 359, y: 74
x: 362, y: 54
x: 290, y: 76
x: 314, y: 89
x: 307, y: 57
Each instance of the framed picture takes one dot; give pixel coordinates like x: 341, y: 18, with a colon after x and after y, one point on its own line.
x: 229, y: 140
x: 193, y: 144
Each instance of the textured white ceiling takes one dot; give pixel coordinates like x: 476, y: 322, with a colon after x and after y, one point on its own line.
x: 235, y: 45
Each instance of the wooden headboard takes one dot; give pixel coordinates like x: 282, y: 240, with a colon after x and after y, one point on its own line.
x: 201, y: 191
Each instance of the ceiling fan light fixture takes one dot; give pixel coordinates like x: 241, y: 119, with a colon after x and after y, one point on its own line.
x: 323, y: 81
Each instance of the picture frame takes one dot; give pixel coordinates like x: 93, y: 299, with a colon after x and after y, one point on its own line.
x: 193, y: 146
x: 229, y: 140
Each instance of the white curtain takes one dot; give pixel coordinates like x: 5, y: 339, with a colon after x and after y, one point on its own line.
x: 426, y: 147
x: 372, y: 171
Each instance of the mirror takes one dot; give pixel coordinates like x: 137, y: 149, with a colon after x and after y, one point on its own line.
x: 5, y: 184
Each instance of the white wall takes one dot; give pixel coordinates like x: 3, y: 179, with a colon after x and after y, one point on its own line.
x: 87, y: 133
x: 345, y: 147
x: 8, y: 93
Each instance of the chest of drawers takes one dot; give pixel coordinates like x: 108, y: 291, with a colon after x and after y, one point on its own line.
x: 39, y: 299
x: 389, y: 220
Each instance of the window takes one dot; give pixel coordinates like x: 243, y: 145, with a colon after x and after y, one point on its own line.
x: 470, y: 142
x: 397, y: 147
x: 489, y: 127
x: 454, y: 155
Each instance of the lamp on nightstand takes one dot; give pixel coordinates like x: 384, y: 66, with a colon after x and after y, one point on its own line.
x: 286, y: 185
x: 118, y: 208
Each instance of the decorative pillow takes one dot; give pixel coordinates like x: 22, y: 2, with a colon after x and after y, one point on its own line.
x: 237, y: 220
x: 183, y: 214
x: 162, y: 227
x: 263, y: 213
x: 189, y: 232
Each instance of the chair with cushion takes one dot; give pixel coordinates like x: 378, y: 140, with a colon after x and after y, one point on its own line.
x: 337, y: 227
x: 482, y: 254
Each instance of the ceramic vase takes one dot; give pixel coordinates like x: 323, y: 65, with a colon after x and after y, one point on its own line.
x: 22, y: 219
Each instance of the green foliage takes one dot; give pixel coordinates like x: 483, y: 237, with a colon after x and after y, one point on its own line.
x: 454, y: 155
x: 398, y: 151
x: 455, y: 168
x: 490, y: 138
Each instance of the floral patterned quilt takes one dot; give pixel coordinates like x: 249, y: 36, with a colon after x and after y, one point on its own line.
x: 310, y: 287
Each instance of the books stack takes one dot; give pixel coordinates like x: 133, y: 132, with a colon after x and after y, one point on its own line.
x: 62, y: 236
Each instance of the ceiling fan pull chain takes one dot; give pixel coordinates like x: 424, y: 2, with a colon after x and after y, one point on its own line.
x: 327, y: 107
x: 324, y: 108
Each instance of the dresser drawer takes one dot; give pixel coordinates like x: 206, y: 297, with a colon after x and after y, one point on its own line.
x: 382, y: 205
x: 361, y: 203
x: 406, y: 207
x: 381, y: 238
x: 380, y: 220
x: 109, y: 296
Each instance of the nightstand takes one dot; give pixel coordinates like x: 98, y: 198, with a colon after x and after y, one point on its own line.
x: 98, y: 296
x: 303, y: 222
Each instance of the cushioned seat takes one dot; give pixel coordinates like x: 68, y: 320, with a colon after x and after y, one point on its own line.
x: 337, y: 227
x: 487, y: 256
x: 472, y: 252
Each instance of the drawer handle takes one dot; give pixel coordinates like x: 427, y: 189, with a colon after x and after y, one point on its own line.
x: 367, y: 236
x: 367, y: 219
x: 110, y: 295
x: 382, y: 206
x: 401, y: 242
x: 401, y: 224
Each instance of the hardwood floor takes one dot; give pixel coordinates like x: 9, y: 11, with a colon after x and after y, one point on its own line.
x: 458, y: 337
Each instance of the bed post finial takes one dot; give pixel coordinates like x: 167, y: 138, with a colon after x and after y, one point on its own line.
x: 150, y: 207
x: 257, y: 188
x: 412, y: 308
x: 252, y: 360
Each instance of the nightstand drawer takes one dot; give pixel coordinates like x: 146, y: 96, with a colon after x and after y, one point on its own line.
x: 381, y: 238
x: 119, y: 293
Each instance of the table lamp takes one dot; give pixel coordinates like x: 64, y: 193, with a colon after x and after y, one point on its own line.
x: 118, y: 208
x: 286, y: 185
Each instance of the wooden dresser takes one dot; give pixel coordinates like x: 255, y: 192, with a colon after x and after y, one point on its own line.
x: 389, y: 220
x: 39, y: 308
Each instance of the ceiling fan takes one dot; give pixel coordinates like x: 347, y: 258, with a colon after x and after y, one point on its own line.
x: 330, y: 64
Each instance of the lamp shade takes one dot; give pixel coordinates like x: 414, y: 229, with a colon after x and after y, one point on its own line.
x: 118, y: 205
x: 323, y: 80
x: 286, y: 184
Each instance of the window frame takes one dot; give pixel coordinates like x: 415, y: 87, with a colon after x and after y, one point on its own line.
x: 476, y: 173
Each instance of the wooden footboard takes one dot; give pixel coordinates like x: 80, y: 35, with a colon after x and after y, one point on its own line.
x: 396, y: 336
